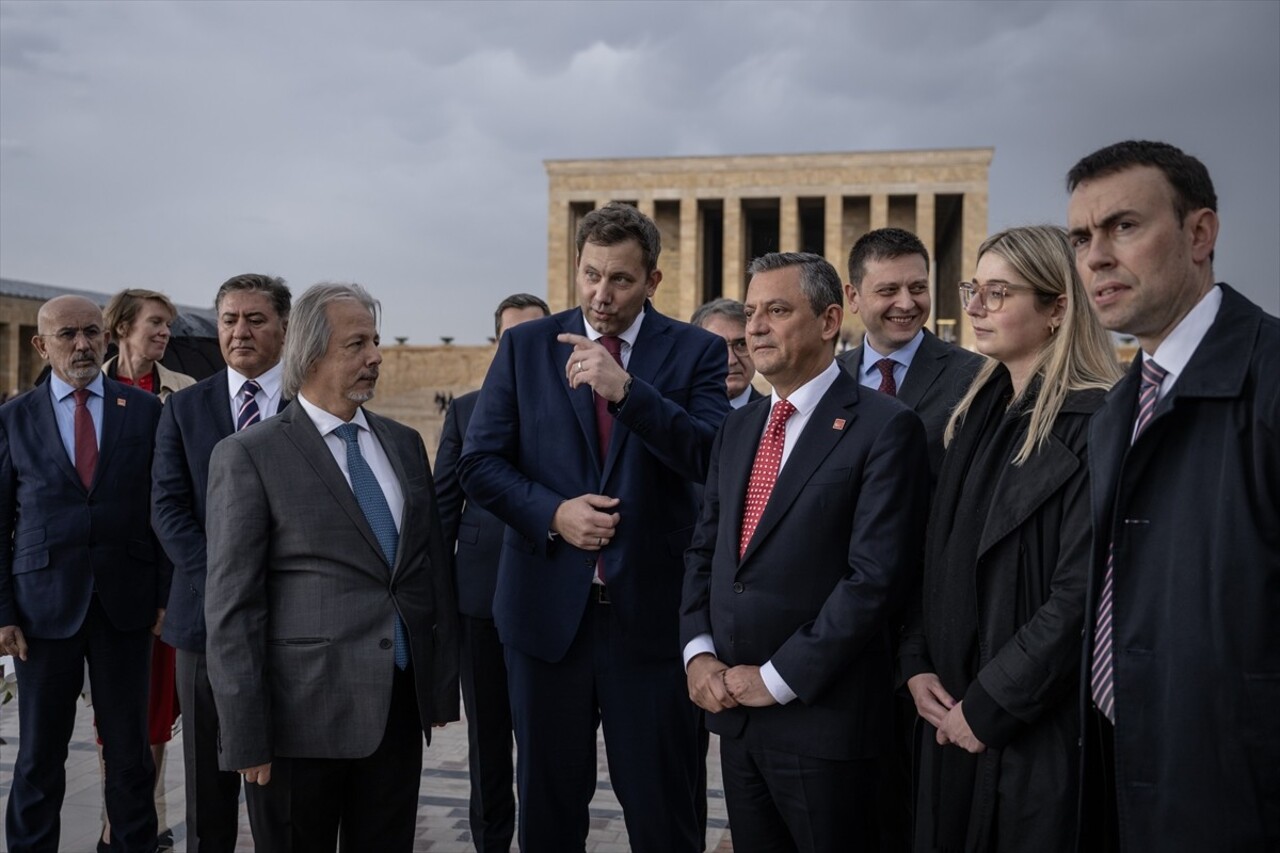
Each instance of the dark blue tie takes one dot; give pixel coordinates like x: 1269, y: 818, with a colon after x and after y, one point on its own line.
x: 376, y: 511
x: 247, y: 413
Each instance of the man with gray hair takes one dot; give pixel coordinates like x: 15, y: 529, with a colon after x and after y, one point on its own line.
x: 812, y: 518
x: 332, y: 629
x: 728, y: 319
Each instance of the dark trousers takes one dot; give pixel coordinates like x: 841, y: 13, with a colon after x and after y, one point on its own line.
x: 368, y: 803
x: 489, y: 736
x: 213, y: 808
x: 650, y: 735
x: 894, y: 802
x: 50, y: 681
x: 780, y: 802
x: 1100, y: 829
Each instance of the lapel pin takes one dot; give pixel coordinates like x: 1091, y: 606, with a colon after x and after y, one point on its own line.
x: 120, y: 402
x: 838, y: 424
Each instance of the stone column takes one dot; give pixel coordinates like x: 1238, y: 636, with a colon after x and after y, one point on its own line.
x: 788, y: 223
x: 10, y: 352
x: 646, y: 206
x: 833, y: 226
x: 688, y: 280
x: 925, y: 207
x: 879, y: 210
x: 559, y: 255
x: 973, y: 227
x: 732, y: 264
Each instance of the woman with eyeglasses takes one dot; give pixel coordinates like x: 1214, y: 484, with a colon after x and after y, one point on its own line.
x: 991, y: 653
x: 139, y: 322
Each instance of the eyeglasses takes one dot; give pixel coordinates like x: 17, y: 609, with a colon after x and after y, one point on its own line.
x: 69, y: 334
x: 990, y: 296
x: 738, y: 346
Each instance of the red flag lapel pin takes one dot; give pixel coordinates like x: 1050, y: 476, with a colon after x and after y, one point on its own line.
x: 838, y: 424
x: 120, y: 402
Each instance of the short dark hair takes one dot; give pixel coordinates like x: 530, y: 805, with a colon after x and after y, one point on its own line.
x: 273, y: 286
x: 616, y: 223
x: 516, y: 300
x: 722, y: 307
x: 1192, y: 186
x: 883, y: 244
x: 819, y: 281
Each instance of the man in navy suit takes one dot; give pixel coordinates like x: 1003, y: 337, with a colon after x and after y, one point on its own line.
x: 813, y: 515
x: 81, y: 577
x: 253, y: 311
x: 590, y: 430
x: 476, y: 534
x: 888, y: 288
x: 728, y: 319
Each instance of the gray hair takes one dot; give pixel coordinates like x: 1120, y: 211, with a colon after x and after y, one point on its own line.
x: 819, y: 281
x: 309, y: 329
x: 731, y: 309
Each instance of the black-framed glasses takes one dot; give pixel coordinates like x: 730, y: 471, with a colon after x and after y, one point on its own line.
x: 69, y: 334
x: 738, y: 346
x: 990, y: 296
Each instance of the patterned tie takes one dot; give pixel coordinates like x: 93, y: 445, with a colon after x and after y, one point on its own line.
x: 887, y: 385
x: 764, y: 471
x: 247, y: 405
x: 604, y: 420
x: 1102, y: 680
x: 86, y: 438
x: 376, y: 511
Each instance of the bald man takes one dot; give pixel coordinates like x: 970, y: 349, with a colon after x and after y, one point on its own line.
x: 81, y: 577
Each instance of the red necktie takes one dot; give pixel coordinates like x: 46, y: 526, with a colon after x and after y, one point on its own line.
x: 1102, y: 677
x: 604, y: 420
x: 764, y: 471
x: 887, y: 385
x: 86, y: 439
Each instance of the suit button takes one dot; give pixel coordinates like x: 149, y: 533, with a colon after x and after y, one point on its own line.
x: 384, y: 643
x: 738, y: 587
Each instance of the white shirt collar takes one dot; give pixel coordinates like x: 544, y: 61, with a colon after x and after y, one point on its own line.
x: 806, y: 397
x: 741, y: 400
x: 903, y: 355
x: 326, y: 421
x: 270, y: 381
x: 628, y: 337
x: 61, y: 390
x: 1177, y: 348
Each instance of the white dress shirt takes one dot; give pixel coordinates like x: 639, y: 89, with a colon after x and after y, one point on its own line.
x: 1179, y: 345
x: 64, y: 410
x: 869, y: 375
x: 271, y: 383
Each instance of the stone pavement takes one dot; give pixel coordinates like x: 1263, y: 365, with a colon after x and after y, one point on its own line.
x: 442, y: 813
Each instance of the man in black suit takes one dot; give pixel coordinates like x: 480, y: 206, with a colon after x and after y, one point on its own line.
x: 813, y: 513
x: 888, y: 288
x: 728, y: 319
x: 253, y: 311
x: 81, y: 577
x: 476, y: 534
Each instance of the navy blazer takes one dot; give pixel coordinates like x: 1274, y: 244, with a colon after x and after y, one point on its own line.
x: 60, y: 542
x: 194, y: 420
x: 532, y: 444
x: 834, y: 552
x: 475, y: 532
x: 938, y: 376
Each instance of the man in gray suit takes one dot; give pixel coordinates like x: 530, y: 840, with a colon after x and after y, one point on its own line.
x: 888, y: 288
x: 332, y: 629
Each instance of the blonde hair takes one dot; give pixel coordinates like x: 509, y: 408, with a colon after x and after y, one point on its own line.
x: 126, y: 305
x: 1079, y: 356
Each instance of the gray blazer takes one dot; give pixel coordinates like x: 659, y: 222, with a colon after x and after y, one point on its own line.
x: 300, y: 601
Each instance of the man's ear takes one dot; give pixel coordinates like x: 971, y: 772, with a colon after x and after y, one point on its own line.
x: 1202, y: 227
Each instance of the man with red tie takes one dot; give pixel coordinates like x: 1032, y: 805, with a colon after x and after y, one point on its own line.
x: 813, y: 516
x: 82, y: 577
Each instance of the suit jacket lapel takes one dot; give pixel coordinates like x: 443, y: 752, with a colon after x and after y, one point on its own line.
x: 393, y: 449
x: 652, y: 346
x: 925, y: 368
x: 311, y: 445
x: 218, y: 405
x: 735, y: 466
x: 114, y: 412
x: 47, y: 425
x: 1109, y: 435
x: 580, y: 398
x: 819, y: 438
x: 1019, y: 492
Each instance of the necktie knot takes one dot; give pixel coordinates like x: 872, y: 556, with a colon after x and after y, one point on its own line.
x: 1148, y: 395
x: 1152, y: 373
x: 81, y: 395
x: 350, y: 433
x: 888, y: 385
x: 613, y: 344
x: 247, y: 412
x: 250, y: 388
x: 782, y: 412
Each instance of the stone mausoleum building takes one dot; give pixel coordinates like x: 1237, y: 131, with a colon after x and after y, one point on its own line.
x: 718, y: 213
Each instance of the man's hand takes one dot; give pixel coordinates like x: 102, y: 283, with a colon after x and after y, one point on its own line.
x: 591, y: 364
x: 260, y: 774
x: 159, y: 626
x: 747, y: 687
x: 12, y: 642
x: 931, y: 698
x: 585, y: 521
x: 705, y: 674
x: 955, y: 729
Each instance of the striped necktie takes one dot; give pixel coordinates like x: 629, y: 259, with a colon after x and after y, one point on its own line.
x: 247, y: 412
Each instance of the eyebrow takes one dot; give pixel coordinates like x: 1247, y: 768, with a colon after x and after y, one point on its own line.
x: 1106, y: 222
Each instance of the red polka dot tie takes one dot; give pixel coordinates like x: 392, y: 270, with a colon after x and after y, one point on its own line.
x: 887, y: 383
x: 764, y: 471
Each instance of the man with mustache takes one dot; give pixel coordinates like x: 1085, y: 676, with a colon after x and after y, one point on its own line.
x: 82, y: 577
x: 329, y: 605
x: 591, y: 428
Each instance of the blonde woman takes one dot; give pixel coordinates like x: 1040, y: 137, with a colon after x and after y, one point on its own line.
x: 139, y: 322
x: 992, y: 654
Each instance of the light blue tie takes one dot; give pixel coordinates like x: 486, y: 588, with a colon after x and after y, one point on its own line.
x: 376, y: 511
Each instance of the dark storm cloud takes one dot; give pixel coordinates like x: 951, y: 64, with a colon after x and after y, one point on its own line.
x: 171, y: 144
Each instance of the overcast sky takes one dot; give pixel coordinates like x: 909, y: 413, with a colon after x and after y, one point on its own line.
x: 171, y: 145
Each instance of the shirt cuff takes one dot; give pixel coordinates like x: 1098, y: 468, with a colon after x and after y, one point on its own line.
x: 778, y: 689
x: 701, y: 644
